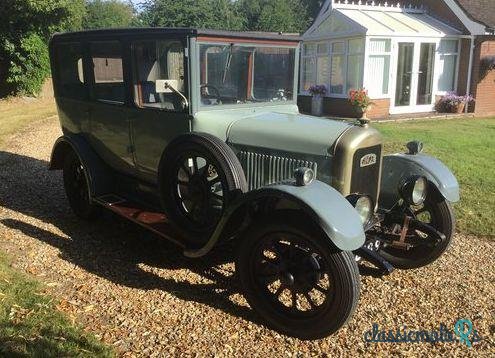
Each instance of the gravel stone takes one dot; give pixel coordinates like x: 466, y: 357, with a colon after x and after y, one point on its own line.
x: 138, y: 293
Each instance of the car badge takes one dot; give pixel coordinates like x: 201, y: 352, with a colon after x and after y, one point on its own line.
x: 367, y: 160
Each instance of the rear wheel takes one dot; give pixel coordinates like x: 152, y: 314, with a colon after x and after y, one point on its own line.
x: 295, y: 279
x: 77, y: 187
x: 437, y: 213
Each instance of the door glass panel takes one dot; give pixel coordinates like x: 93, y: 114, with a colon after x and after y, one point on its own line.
x: 425, y: 76
x: 108, y: 72
x: 404, y: 74
x: 158, y: 60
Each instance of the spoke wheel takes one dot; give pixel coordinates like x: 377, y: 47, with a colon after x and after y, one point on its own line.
x: 77, y: 188
x: 199, y: 190
x: 199, y: 177
x: 295, y: 279
x: 436, y: 212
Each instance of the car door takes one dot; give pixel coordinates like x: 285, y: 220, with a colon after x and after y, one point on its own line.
x: 156, y: 118
x: 109, y: 125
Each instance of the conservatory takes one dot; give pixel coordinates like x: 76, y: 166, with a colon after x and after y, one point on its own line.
x: 404, y: 56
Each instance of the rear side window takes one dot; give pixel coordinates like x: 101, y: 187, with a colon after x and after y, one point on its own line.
x: 108, y: 72
x: 70, y: 71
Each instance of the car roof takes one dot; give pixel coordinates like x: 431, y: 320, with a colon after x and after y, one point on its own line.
x: 179, y: 31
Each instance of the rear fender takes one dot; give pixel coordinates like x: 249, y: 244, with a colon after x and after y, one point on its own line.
x: 98, y: 174
x: 328, y: 209
x: 399, y: 167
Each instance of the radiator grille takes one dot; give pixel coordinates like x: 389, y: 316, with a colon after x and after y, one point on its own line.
x: 263, y: 169
x: 365, y: 179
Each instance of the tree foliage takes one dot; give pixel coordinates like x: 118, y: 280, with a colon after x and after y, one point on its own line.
x: 274, y: 15
x: 211, y: 14
x: 108, y: 13
x: 25, y: 29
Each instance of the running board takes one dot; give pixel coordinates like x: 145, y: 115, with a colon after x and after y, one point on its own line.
x: 154, y: 221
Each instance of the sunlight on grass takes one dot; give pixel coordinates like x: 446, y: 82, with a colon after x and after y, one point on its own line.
x: 467, y: 146
x: 30, y: 325
x: 18, y: 113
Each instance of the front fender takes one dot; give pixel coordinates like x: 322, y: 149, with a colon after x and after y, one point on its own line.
x: 398, y: 167
x: 326, y: 206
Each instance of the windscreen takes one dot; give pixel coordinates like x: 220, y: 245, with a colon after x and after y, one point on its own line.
x: 238, y: 74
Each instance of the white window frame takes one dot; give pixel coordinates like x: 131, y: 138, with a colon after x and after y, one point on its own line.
x: 345, y: 53
x: 379, y: 94
x: 457, y: 66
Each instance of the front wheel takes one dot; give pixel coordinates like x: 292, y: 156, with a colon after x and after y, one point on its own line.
x: 296, y: 279
x: 435, y: 212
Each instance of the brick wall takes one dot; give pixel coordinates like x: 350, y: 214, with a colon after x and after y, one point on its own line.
x: 484, y: 88
x: 340, y: 107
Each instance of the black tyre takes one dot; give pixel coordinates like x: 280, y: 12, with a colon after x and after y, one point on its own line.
x: 296, y: 279
x: 199, y: 177
x: 436, y: 212
x: 77, y: 187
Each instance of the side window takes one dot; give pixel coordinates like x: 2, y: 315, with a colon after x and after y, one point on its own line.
x: 158, y: 60
x: 108, y: 72
x: 70, y: 71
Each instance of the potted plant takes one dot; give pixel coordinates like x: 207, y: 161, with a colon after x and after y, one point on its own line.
x: 317, y: 92
x: 487, y: 64
x: 453, y: 103
x: 360, y: 100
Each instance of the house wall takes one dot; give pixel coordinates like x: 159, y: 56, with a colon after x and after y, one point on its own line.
x: 340, y: 107
x: 463, y: 66
x: 484, y: 88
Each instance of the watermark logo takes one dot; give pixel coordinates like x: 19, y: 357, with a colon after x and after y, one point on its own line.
x: 463, y: 333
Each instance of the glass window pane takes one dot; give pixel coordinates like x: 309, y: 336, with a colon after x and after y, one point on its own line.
x: 356, y: 46
x: 70, y: 71
x: 338, y: 47
x: 355, y: 72
x: 309, y: 49
x: 337, y: 74
x: 447, y: 70
x: 323, y: 73
x: 158, y: 60
x: 322, y: 49
x: 308, y: 73
x: 449, y: 46
x: 108, y: 72
x: 380, y: 45
x: 379, y: 74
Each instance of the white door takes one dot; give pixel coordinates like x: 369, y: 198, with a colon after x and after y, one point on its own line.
x: 414, y: 76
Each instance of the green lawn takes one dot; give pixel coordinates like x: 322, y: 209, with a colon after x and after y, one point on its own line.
x: 467, y: 146
x: 30, y: 325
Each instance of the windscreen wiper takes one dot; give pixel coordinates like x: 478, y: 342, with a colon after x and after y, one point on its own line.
x: 227, y: 63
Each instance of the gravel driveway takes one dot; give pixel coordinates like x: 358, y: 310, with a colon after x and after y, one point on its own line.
x: 137, y: 293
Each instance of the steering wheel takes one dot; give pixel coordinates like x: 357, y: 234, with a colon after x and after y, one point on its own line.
x: 216, y: 95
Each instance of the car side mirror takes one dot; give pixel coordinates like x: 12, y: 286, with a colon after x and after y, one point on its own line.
x: 170, y: 86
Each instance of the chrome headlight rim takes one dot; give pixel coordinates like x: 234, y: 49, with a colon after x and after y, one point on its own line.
x: 304, y: 176
x: 415, y: 190
x: 357, y: 201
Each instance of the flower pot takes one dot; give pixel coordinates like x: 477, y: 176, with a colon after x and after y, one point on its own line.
x: 317, y: 106
x: 459, y: 108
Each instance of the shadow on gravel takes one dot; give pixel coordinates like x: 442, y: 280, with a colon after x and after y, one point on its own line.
x: 111, y: 248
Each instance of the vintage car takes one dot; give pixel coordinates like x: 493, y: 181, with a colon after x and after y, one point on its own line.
x: 196, y: 135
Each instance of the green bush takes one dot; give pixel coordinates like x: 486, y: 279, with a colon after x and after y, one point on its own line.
x: 29, y: 64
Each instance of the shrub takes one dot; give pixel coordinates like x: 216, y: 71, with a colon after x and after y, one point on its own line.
x: 29, y: 64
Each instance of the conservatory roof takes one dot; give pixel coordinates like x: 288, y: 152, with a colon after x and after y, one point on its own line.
x: 353, y: 19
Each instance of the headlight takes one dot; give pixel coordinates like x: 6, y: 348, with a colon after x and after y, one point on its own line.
x: 363, y: 205
x: 304, y: 176
x: 414, y: 190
